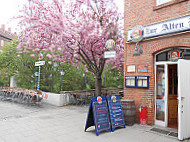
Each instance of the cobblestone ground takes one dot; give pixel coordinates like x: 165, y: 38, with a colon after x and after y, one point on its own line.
x: 45, y: 123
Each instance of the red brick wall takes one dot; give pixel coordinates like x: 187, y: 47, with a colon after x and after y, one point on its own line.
x: 142, y: 12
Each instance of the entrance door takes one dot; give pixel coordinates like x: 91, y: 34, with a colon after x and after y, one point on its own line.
x: 184, y: 99
x: 172, y: 96
x: 160, y: 95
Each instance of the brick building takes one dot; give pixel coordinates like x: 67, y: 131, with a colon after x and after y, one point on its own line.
x: 157, y: 53
x: 5, y: 35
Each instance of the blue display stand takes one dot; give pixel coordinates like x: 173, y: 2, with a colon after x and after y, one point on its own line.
x: 98, y: 115
x: 115, y: 111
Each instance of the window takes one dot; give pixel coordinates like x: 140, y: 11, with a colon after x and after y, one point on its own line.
x: 159, y: 2
x: 165, y: 3
x: 164, y: 55
x: 160, y: 92
x: 2, y: 42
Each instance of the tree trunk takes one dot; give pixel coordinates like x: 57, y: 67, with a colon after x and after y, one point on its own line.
x: 98, y: 85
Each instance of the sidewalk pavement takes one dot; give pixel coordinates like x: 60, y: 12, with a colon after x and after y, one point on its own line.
x: 22, y: 123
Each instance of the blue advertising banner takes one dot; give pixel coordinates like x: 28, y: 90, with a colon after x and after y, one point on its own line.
x: 98, y: 115
x: 115, y: 111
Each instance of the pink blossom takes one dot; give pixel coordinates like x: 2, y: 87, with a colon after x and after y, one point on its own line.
x: 74, y: 31
x: 49, y: 62
x: 49, y: 56
x: 32, y: 55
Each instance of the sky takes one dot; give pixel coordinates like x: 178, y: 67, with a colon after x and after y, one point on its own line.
x: 10, y: 9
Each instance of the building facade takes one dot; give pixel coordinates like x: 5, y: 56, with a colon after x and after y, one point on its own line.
x: 5, y: 35
x: 157, y: 52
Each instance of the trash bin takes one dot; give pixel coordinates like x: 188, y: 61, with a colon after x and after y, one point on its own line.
x: 143, y: 115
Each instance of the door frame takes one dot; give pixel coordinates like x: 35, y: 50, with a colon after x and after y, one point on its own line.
x: 165, y: 63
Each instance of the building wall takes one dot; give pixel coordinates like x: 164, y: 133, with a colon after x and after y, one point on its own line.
x: 6, y: 35
x: 4, y: 39
x: 145, y: 12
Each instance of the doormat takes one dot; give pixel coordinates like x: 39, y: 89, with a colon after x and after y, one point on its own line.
x: 160, y: 131
x: 173, y: 134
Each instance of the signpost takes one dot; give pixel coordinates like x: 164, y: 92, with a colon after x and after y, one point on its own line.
x: 109, y: 54
x: 36, y: 74
x: 39, y: 63
x: 115, y: 111
x: 110, y: 43
x: 98, y: 115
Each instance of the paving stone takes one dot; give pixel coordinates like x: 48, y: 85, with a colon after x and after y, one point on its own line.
x: 61, y: 124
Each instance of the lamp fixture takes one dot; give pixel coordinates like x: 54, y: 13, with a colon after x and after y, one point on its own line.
x: 137, y: 52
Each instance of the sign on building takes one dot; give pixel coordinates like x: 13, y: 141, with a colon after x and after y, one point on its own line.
x: 168, y: 27
x: 109, y: 54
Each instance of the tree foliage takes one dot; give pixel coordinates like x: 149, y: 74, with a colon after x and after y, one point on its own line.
x: 22, y: 67
x: 74, y: 32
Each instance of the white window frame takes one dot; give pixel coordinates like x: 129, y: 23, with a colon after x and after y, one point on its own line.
x: 2, y: 42
x: 159, y: 2
x: 165, y: 64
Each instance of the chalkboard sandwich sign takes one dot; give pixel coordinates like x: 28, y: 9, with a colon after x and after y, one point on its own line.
x: 98, y: 115
x: 115, y: 111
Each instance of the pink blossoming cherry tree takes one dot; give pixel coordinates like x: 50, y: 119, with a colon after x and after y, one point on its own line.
x: 74, y: 31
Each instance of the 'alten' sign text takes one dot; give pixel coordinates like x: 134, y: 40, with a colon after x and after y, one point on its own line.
x: 168, y: 27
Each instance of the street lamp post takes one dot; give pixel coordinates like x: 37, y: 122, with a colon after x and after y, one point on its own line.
x: 104, y: 79
x: 62, y: 74
x: 95, y: 83
x: 84, y: 85
x: 117, y: 81
x: 36, y: 75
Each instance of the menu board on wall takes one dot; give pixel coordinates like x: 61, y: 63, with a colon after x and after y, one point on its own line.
x: 130, y: 81
x: 98, y: 115
x: 137, y: 81
x: 143, y: 81
x: 115, y: 111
